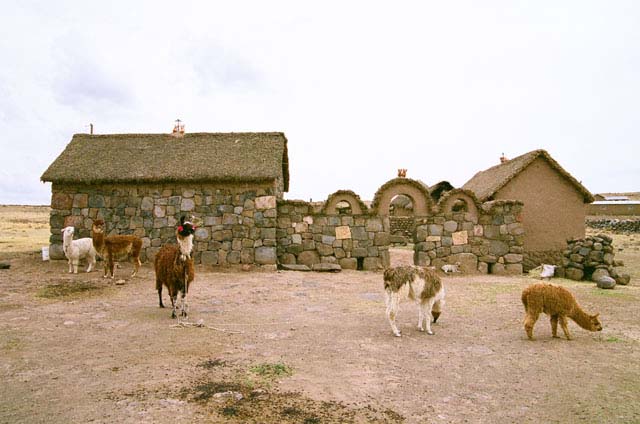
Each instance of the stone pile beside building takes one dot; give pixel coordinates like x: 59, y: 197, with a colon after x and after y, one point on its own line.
x: 592, y: 258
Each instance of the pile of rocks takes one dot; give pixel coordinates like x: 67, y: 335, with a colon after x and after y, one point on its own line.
x: 616, y: 225
x: 592, y: 258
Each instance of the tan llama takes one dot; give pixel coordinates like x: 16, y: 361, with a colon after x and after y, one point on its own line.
x: 559, y: 304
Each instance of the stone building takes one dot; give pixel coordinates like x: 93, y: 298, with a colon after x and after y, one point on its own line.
x: 554, y: 202
x: 234, y: 183
x: 142, y: 183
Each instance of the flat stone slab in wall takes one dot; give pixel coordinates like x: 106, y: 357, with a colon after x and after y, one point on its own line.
x: 294, y: 267
x: 326, y: 267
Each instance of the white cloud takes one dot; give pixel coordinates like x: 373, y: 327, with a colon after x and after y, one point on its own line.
x: 360, y: 89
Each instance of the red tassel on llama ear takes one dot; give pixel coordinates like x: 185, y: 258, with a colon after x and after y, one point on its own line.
x: 180, y: 229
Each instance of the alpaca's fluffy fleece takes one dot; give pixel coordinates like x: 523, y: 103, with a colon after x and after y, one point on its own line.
x: 419, y: 284
x: 559, y: 304
x: 75, y: 250
x: 115, y: 248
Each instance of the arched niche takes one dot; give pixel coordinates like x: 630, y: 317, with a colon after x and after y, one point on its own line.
x: 417, y: 191
x: 459, y: 201
x: 335, y: 204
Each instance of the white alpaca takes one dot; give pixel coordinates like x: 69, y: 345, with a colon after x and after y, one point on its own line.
x: 75, y: 250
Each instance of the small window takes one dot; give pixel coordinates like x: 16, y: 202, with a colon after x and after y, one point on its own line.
x: 460, y: 206
x: 343, y: 208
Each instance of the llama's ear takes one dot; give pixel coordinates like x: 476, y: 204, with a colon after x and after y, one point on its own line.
x: 597, y: 315
x: 182, y: 220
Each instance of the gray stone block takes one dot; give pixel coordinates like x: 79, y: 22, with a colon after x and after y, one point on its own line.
x: 266, y: 255
x: 326, y: 267
x: 294, y: 267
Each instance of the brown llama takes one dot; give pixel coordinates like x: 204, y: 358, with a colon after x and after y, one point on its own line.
x: 115, y: 248
x: 558, y: 303
x: 421, y: 285
x: 174, y: 267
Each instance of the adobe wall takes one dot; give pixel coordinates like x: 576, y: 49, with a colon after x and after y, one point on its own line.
x: 238, y: 222
x: 546, y: 229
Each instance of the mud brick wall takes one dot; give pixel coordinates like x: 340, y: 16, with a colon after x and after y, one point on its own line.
x: 306, y: 236
x: 237, y: 224
x: 490, y: 241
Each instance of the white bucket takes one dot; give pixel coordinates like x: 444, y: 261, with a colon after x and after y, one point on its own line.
x: 45, y: 253
x: 547, y: 271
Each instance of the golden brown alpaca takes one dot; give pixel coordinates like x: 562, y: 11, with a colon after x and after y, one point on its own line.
x: 113, y: 248
x: 558, y: 303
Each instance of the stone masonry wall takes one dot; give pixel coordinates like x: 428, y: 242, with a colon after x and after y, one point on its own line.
x: 237, y: 224
x: 489, y: 242
x: 307, y: 237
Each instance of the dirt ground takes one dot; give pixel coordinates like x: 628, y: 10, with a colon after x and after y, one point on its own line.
x: 291, y: 347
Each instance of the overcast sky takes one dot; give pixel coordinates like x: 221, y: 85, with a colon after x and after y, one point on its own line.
x: 360, y: 89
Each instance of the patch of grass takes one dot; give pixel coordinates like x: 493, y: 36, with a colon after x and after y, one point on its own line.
x: 613, y: 339
x: 67, y: 289
x: 229, y: 411
x: 12, y: 343
x: 612, y: 293
x: 204, y: 391
x: 212, y: 363
x: 271, y: 371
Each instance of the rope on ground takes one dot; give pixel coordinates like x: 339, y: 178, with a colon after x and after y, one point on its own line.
x: 201, y: 324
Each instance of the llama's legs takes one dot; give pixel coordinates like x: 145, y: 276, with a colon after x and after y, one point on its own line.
x: 92, y: 263
x: 565, y: 327
x: 529, y: 322
x: 76, y: 262
x: 392, y: 300
x: 426, y: 308
x: 554, y: 325
x: 436, y: 310
x: 174, y: 304
x: 160, y: 294
x: 70, y: 266
x: 421, y: 316
x: 183, y: 311
x: 136, y: 266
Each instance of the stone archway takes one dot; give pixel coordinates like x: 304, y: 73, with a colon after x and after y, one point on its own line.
x: 421, y: 206
x: 459, y: 201
x: 415, y: 190
x: 337, y: 202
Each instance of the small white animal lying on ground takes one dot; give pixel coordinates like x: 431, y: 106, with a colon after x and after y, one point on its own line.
x: 450, y: 268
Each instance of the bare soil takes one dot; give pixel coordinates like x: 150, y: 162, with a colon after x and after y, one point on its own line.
x: 290, y: 347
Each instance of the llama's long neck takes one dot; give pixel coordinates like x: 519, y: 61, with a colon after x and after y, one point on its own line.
x: 186, y: 245
x: 581, y: 318
x: 66, y: 242
x: 98, y: 240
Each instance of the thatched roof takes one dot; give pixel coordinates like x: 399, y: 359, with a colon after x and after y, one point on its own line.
x: 221, y: 157
x: 487, y: 183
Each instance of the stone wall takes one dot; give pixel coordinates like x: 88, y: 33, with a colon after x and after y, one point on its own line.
x: 237, y: 224
x: 615, y: 225
x: 490, y: 241
x: 593, y: 258
x: 306, y: 236
x: 402, y: 225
